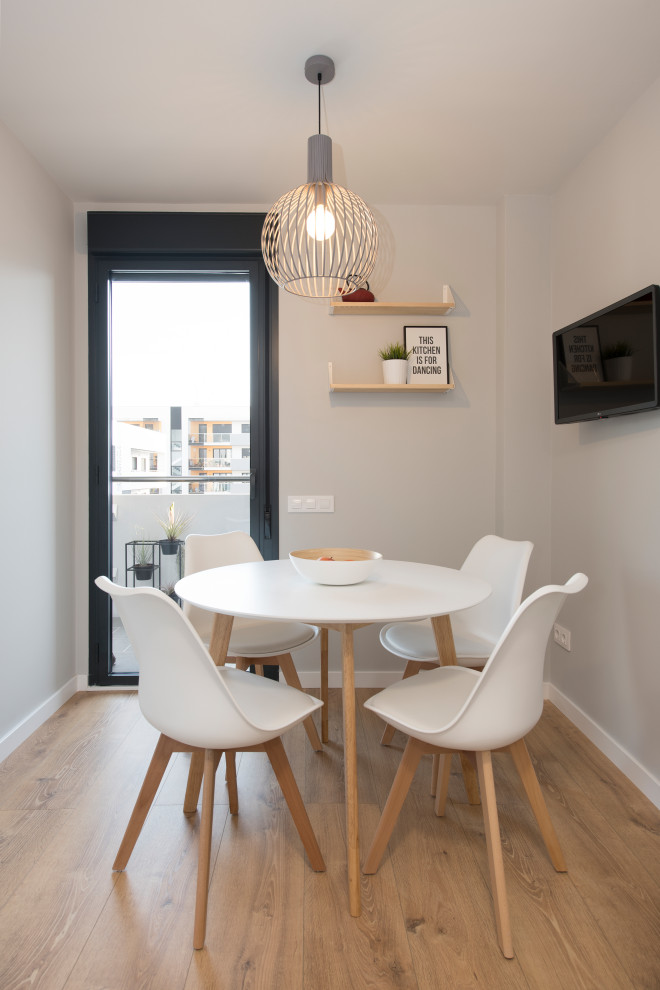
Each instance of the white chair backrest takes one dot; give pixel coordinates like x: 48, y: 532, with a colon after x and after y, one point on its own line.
x: 503, y: 564
x: 507, y: 699
x: 215, y: 550
x: 181, y: 691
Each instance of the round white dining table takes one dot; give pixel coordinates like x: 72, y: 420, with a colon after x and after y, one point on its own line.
x: 395, y: 591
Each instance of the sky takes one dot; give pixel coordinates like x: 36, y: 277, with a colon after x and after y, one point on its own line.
x: 180, y: 343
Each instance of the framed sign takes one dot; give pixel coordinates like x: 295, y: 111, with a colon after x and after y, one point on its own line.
x: 428, y: 362
x: 582, y: 355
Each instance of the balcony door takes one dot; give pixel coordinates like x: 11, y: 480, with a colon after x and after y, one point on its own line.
x: 183, y: 400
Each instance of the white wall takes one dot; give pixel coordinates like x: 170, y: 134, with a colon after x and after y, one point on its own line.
x: 524, y: 379
x: 37, y: 463
x: 606, y: 475
x: 413, y: 475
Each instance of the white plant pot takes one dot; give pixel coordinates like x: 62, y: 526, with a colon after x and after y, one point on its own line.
x: 618, y: 369
x: 395, y: 372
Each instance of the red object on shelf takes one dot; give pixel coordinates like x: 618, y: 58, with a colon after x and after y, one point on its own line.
x: 363, y: 294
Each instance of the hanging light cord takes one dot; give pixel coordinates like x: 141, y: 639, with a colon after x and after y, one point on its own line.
x: 319, y: 77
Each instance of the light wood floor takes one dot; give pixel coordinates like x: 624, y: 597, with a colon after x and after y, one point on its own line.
x: 67, y: 922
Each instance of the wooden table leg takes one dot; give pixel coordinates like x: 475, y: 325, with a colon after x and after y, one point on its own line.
x: 324, y: 685
x: 444, y: 640
x: 350, y: 771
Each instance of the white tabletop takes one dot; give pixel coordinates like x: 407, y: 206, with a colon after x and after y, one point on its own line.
x: 396, y: 590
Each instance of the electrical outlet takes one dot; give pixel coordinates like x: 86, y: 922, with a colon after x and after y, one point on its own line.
x: 562, y: 637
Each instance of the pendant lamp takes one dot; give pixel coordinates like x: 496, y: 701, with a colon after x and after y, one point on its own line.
x: 319, y: 238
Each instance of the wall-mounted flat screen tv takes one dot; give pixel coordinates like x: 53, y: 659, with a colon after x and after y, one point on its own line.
x: 607, y: 364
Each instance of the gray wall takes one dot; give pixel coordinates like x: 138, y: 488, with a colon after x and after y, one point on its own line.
x: 606, y: 475
x: 37, y: 462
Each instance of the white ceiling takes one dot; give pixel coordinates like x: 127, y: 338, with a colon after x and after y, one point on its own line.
x: 205, y: 101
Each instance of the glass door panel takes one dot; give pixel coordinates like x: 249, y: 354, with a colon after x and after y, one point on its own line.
x: 180, y: 373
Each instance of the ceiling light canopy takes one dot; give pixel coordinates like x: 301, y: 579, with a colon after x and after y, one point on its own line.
x: 319, y: 238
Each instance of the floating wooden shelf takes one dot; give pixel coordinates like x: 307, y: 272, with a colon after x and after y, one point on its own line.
x: 335, y: 387
x: 394, y: 308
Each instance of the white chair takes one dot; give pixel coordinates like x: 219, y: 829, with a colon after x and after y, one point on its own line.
x: 253, y: 641
x: 200, y: 708
x: 457, y: 709
x: 503, y: 564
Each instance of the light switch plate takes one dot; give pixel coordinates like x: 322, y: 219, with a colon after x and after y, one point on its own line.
x: 311, y: 503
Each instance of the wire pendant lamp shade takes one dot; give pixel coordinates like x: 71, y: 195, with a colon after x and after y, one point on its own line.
x: 319, y: 238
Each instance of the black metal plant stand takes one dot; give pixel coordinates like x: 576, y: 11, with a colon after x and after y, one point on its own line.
x: 143, y: 560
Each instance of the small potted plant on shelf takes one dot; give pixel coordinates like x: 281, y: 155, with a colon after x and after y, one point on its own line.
x: 174, y: 526
x: 617, y: 361
x: 395, y: 364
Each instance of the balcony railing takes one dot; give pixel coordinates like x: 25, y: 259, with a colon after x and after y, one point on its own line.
x: 174, y: 479
x: 210, y: 464
x: 206, y: 439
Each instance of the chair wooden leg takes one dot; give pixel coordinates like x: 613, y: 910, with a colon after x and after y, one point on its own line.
x: 412, y: 754
x: 387, y: 736
x: 435, y: 770
x: 525, y: 769
x: 195, y: 777
x: 288, y: 668
x: 222, y: 627
x: 443, y: 783
x: 412, y: 667
x: 287, y: 782
x: 444, y: 639
x: 161, y: 757
x: 470, y: 780
x: 324, y: 685
x: 242, y: 663
x: 211, y: 758
x: 230, y: 777
x: 494, y: 847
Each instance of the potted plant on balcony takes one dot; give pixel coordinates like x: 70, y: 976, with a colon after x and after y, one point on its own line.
x: 143, y: 559
x: 168, y: 589
x: 174, y: 526
x: 395, y: 364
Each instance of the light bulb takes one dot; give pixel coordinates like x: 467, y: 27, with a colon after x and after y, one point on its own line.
x: 320, y: 223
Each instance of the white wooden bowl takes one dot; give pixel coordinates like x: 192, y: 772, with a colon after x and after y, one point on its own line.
x: 347, y: 566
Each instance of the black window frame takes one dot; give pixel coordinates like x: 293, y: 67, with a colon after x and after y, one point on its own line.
x: 135, y: 241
